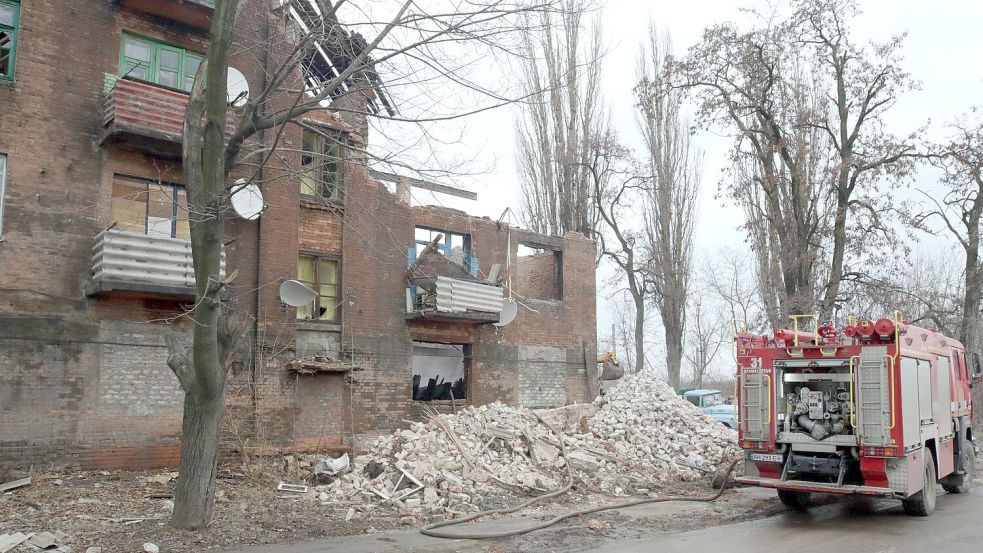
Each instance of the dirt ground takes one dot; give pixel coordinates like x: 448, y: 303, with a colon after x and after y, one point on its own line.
x: 120, y: 511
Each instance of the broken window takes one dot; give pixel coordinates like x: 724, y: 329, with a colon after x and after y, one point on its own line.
x: 539, y: 273
x: 454, y: 246
x: 150, y: 207
x: 439, y: 371
x: 320, y: 165
x: 157, y: 62
x: 9, y: 19
x: 321, y: 275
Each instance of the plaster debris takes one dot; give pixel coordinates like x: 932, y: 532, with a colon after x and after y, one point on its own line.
x: 639, y: 434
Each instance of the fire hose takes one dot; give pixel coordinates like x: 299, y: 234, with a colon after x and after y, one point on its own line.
x: 432, y: 529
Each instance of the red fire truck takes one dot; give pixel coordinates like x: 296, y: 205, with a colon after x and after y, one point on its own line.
x: 882, y: 408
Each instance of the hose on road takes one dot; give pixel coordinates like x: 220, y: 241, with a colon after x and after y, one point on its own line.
x: 432, y: 529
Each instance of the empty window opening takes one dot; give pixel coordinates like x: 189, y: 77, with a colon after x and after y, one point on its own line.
x: 320, y: 165
x: 321, y: 275
x: 539, y: 273
x: 150, y: 207
x: 452, y: 245
x: 439, y: 371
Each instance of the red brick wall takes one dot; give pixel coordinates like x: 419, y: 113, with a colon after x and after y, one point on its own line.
x: 58, y: 348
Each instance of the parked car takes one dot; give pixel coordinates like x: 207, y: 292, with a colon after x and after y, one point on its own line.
x: 712, y: 403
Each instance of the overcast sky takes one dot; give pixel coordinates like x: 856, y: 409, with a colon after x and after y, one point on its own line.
x: 943, y: 50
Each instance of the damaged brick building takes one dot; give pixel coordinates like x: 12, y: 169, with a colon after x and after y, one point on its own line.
x: 95, y: 266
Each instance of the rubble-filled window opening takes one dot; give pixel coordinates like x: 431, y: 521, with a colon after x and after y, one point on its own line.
x: 150, y: 207
x: 539, y: 273
x: 9, y: 18
x: 454, y: 246
x: 320, y: 165
x: 156, y: 62
x: 321, y: 275
x: 439, y: 371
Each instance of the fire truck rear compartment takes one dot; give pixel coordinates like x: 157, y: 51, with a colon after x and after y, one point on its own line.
x: 814, y: 425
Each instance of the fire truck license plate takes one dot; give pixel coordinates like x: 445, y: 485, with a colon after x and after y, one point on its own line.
x: 766, y: 457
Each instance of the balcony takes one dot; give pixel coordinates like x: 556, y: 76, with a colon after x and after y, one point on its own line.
x: 443, y: 298
x: 195, y: 13
x: 148, y: 117
x: 136, y: 263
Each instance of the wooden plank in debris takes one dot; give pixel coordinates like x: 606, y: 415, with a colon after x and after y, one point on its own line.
x: 15, y: 484
x: 422, y: 184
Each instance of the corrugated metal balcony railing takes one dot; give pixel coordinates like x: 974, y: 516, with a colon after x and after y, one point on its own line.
x: 132, y: 262
x: 150, y: 113
x: 446, y: 298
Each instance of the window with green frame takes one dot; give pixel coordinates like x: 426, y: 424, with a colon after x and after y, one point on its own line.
x: 9, y: 21
x: 150, y: 60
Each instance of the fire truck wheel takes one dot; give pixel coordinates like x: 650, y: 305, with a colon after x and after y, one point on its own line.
x: 795, y: 500
x: 961, y: 483
x: 923, y: 503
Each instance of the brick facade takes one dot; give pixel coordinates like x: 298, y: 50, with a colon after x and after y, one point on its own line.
x: 84, y: 381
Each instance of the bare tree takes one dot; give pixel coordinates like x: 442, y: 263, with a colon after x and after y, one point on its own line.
x: 671, y: 201
x: 707, y: 336
x: 562, y: 122
x: 807, y: 108
x: 863, y: 85
x: 960, y: 211
x: 422, y: 41
x: 617, y: 188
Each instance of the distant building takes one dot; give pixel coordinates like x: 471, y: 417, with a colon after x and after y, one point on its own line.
x: 95, y: 261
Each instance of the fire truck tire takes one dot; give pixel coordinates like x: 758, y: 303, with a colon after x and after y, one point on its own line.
x: 923, y: 503
x: 961, y: 483
x: 798, y: 501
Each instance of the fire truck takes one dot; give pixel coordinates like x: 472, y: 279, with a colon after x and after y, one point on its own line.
x: 881, y: 408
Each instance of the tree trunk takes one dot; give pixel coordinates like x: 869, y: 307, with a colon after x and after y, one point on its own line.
x: 639, y: 333
x: 194, y: 496
x: 971, y: 300
x: 674, y: 353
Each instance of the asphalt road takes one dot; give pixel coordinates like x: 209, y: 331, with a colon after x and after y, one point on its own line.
x: 857, y: 526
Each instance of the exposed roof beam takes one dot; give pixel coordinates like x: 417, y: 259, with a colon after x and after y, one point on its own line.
x: 425, y: 185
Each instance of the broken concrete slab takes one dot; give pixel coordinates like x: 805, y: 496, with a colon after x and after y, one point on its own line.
x: 10, y: 541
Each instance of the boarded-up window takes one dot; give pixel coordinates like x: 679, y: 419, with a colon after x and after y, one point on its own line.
x: 439, y: 371
x: 150, y: 207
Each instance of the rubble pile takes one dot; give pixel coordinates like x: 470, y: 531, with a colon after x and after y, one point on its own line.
x: 646, y: 421
x: 639, y: 435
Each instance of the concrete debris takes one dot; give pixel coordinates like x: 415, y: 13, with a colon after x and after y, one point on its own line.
x: 46, y: 540
x: 331, y: 467
x: 150, y: 548
x: 639, y: 434
x: 162, y: 478
x: 10, y: 541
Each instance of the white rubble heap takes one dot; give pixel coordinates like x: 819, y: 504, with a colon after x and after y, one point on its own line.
x: 639, y: 435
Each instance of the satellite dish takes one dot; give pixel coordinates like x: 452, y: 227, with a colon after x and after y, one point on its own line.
x: 295, y: 294
x: 247, y: 200
x: 509, y: 311
x: 238, y: 88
